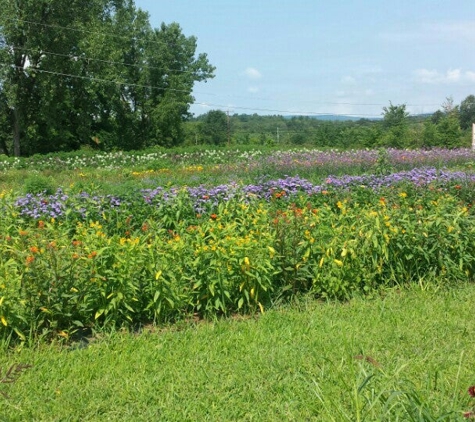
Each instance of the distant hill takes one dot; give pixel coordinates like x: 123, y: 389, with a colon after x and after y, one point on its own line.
x: 333, y: 117
x: 342, y: 117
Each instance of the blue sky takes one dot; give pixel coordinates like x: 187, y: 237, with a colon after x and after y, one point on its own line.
x: 339, y: 56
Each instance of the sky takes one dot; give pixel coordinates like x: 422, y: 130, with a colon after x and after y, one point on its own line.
x: 350, y: 57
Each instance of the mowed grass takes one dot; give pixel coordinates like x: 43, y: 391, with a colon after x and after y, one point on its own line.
x: 295, y: 363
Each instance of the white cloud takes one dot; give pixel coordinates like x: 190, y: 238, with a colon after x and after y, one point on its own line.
x: 427, y: 76
x: 252, y: 73
x: 253, y: 89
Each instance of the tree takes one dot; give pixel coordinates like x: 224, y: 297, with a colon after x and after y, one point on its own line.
x: 449, y: 131
x: 430, y: 135
x: 395, y: 123
x: 467, y: 112
x: 40, y: 102
x: 437, y: 116
x: 215, y: 127
x: 93, y: 69
x: 448, y: 126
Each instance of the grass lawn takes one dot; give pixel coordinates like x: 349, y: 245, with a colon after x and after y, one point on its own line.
x: 404, y: 355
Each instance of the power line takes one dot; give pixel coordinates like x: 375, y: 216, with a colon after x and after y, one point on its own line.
x: 35, y: 69
x: 172, y: 45
x: 80, y: 57
x: 173, y: 90
x: 68, y: 28
x: 308, y: 113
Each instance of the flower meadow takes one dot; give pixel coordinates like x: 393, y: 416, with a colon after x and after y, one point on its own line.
x: 76, y: 259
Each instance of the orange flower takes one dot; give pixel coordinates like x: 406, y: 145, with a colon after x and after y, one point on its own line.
x: 76, y: 242
x: 41, y: 224
x: 34, y: 249
x: 52, y: 244
x: 93, y: 254
x: 29, y: 259
x: 75, y: 256
x: 213, y: 216
x: 145, y: 227
x: 23, y: 232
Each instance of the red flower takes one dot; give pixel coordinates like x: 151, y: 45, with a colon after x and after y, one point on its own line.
x: 471, y: 390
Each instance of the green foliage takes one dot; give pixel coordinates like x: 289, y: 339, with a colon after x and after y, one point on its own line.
x: 431, y: 137
x: 100, y: 75
x: 396, y: 125
x: 214, y: 128
x: 37, y: 183
x: 467, y: 112
x: 449, y: 131
x: 161, y: 263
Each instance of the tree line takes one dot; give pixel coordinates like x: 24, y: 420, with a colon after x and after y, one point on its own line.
x: 449, y: 127
x: 92, y: 72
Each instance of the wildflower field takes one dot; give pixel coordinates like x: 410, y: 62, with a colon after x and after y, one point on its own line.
x: 111, y: 263
x: 113, y: 240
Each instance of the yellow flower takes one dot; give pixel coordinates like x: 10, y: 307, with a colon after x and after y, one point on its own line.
x: 403, y: 194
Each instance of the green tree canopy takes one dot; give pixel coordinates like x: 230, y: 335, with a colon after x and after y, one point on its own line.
x: 214, y: 128
x: 80, y: 70
x: 395, y: 121
x: 467, y: 112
